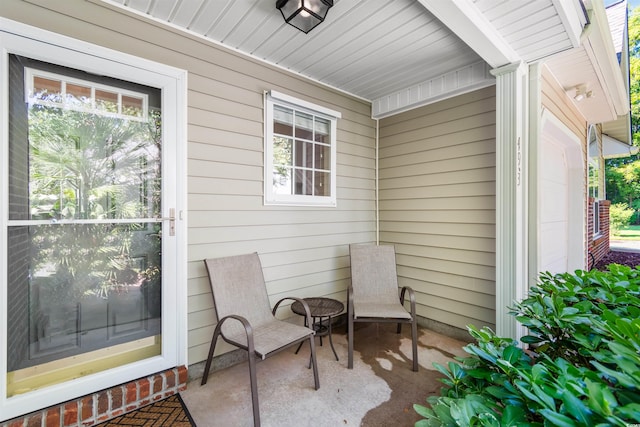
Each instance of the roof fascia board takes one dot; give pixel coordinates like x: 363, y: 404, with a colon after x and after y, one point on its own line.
x: 599, y: 48
x: 469, y: 23
x: 573, y: 17
x: 613, y: 148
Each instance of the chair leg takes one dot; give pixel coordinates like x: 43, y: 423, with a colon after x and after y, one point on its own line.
x: 312, y: 345
x: 212, y: 348
x: 414, y: 341
x: 254, y: 389
x: 350, y: 339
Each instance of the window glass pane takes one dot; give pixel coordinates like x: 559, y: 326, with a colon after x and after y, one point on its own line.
x: 322, y: 184
x: 47, y: 89
x: 78, y: 95
x: 304, y: 182
x: 88, y: 286
x: 106, y: 101
x: 322, y: 130
x: 304, y: 126
x: 132, y: 106
x: 88, y: 166
x: 282, y: 151
x: 304, y: 154
x: 282, y: 181
x: 322, y: 157
x: 282, y: 120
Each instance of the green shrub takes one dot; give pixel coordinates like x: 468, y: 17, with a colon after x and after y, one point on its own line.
x: 582, y: 367
x: 619, y: 216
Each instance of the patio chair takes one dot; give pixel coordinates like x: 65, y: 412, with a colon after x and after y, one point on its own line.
x: 246, y: 320
x: 373, y: 294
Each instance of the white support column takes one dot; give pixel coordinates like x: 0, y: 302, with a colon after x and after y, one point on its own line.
x: 511, y: 193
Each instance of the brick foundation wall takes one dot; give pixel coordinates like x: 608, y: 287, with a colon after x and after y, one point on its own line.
x: 107, y: 404
x: 598, y: 247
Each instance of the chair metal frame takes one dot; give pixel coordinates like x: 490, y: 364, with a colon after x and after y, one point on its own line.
x: 351, y: 319
x: 250, y: 347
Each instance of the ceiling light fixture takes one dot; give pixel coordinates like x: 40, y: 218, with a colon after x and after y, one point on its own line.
x: 305, y: 15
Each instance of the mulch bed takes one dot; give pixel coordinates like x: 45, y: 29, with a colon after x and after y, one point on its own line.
x: 632, y: 259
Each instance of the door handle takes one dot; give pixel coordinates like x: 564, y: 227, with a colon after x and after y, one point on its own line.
x: 172, y: 221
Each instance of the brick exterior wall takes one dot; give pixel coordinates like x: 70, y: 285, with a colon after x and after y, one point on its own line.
x: 598, y: 247
x: 107, y: 404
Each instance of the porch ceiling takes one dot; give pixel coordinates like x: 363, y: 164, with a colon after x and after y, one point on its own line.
x: 397, y: 54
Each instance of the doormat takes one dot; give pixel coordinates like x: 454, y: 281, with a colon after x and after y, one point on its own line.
x: 167, y: 412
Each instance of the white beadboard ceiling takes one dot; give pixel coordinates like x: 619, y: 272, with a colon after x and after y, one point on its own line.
x: 397, y: 54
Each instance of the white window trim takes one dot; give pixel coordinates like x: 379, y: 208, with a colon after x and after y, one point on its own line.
x: 596, y: 233
x: 21, y: 39
x: 272, y: 98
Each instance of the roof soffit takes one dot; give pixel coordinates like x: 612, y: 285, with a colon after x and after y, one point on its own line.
x: 594, y: 67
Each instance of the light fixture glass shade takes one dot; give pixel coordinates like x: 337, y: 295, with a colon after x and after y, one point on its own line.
x: 305, y: 15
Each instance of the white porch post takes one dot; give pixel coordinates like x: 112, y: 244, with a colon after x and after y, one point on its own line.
x: 511, y: 193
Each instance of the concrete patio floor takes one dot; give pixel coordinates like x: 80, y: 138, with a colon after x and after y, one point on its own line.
x: 379, y: 391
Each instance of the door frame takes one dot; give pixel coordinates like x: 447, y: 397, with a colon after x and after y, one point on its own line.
x: 21, y: 39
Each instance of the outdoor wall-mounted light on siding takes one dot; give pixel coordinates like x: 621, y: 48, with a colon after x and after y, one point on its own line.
x: 305, y: 15
x: 581, y: 92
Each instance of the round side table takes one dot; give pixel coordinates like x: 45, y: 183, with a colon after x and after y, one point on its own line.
x: 320, y: 308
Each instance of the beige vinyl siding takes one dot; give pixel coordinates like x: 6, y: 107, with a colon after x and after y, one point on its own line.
x: 437, y: 205
x: 304, y: 251
x: 557, y: 102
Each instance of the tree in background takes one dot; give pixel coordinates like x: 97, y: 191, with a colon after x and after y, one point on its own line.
x: 623, y: 174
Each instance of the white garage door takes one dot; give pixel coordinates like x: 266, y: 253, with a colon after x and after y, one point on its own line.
x: 554, y: 204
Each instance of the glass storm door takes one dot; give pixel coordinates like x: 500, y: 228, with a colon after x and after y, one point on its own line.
x: 84, y: 255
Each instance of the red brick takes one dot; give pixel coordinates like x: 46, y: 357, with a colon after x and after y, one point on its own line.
x: 53, y: 417
x: 16, y: 423
x: 183, y: 374
x: 117, y: 412
x: 34, y: 420
x: 87, y: 408
x: 157, y: 384
x: 132, y: 393
x: 171, y: 379
x: 144, y: 402
x: 182, y: 387
x: 144, y: 387
x: 103, y: 402
x: 70, y: 413
x: 116, y: 397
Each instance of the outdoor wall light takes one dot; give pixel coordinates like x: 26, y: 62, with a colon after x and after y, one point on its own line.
x: 305, y: 15
x: 581, y: 93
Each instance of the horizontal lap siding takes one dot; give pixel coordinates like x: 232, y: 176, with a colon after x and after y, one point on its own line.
x: 304, y: 251
x: 437, y: 205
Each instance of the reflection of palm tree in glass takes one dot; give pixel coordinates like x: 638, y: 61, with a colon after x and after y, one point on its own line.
x: 96, y: 167
x: 89, y: 166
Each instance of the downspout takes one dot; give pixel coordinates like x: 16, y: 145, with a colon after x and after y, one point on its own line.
x: 377, y: 192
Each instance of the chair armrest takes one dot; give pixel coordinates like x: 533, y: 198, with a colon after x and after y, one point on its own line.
x: 350, y: 300
x: 304, y: 304
x: 247, y: 329
x: 412, y: 298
